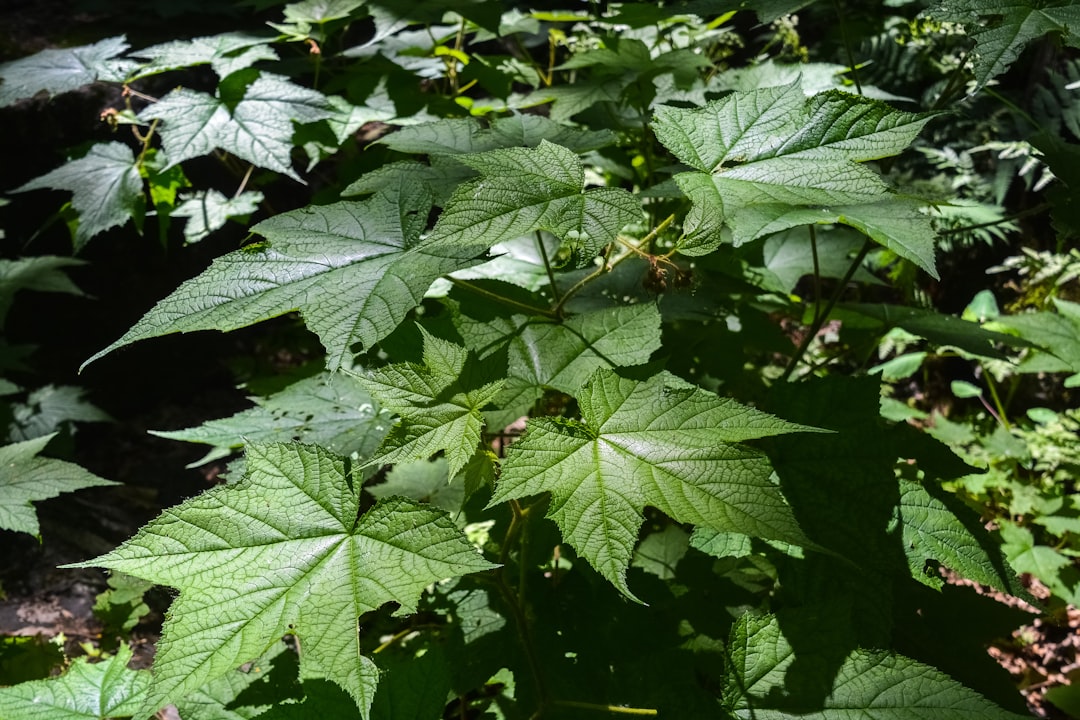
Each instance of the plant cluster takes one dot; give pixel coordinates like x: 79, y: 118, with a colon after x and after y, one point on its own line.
x: 624, y: 312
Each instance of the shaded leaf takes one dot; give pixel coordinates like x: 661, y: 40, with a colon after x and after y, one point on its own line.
x: 44, y: 273
x: 661, y: 443
x: 208, y: 210
x: 48, y: 408
x: 225, y: 53
x: 26, y: 478
x: 96, y: 691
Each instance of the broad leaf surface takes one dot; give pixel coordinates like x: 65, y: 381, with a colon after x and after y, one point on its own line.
x: 106, y: 188
x: 58, y: 71
x: 660, y: 443
x: 208, y: 210
x: 1002, y: 28
x: 333, y: 411
x: 44, y: 273
x: 775, y: 148
x: 525, y: 189
x: 87, y: 691
x: 223, y: 551
x: 352, y: 269
x: 544, y: 354
x: 423, y: 481
x: 50, y: 408
x: 225, y: 53
x: 868, y: 684
x: 439, y: 404
x: 26, y: 478
x: 455, y: 136
x: 251, y: 117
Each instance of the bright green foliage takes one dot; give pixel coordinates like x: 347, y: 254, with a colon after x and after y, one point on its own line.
x: 223, y: 551
x: 60, y: 71
x: 333, y: 411
x: 207, y: 211
x: 97, y: 691
x: 44, y: 273
x: 251, y: 117
x: 460, y: 136
x: 439, y: 403
x: 866, y: 683
x: 25, y: 478
x: 766, y: 157
x: 660, y: 443
x: 521, y: 190
x: 366, y: 251
x: 106, y: 188
x: 1003, y: 28
x: 225, y: 53
x: 248, y: 691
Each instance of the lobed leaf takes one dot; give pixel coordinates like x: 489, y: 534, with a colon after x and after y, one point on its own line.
x: 223, y: 551
x: 225, y: 53
x: 26, y: 478
x: 661, y: 443
x: 353, y: 269
x: 57, y: 71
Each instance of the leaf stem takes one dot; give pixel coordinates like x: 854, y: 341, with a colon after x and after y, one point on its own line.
x: 615, y: 709
x: 1001, y: 415
x: 820, y: 320
x: 547, y: 266
x: 244, y: 182
x: 604, y: 267
x: 817, y: 272
x: 472, y: 287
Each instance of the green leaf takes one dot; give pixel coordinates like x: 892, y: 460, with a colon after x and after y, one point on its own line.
x: 525, y: 189
x: 208, y: 210
x: 439, y: 404
x: 353, y: 270
x: 121, y: 606
x: 771, y: 151
x: 25, y: 478
x: 246, y: 692
x: 251, y: 117
x: 98, y: 691
x: 48, y: 408
x: 661, y: 443
x: 320, y: 11
x: 225, y: 53
x: 457, y: 136
x: 868, y: 683
x: 423, y: 481
x: 1057, y: 333
x: 334, y: 411
x: 543, y: 354
x: 1002, y: 28
x: 932, y: 531
x: 44, y: 273
x: 106, y: 188
x: 937, y: 328
x: 660, y: 552
x: 58, y: 71
x: 223, y: 551
x: 788, y: 256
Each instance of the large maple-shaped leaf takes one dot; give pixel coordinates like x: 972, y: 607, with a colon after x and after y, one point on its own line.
x: 660, y: 442
x: 352, y: 269
x: 251, y: 117
x: 868, y: 683
x: 439, y: 403
x: 58, y: 71
x: 333, y: 411
x: 284, y: 551
x: 525, y: 189
x: 106, y: 188
x: 25, y: 478
x: 1002, y: 28
x: 87, y: 691
x: 772, y: 151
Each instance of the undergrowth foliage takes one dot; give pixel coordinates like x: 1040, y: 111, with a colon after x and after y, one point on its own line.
x: 586, y: 439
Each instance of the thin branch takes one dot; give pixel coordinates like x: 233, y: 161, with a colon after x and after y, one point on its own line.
x: 1035, y: 210
x: 473, y: 288
x: 614, y: 709
x: 547, y: 266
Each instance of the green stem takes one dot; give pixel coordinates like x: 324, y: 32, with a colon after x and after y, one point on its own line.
x: 1002, y: 416
x: 473, y: 288
x: 817, y: 272
x: 946, y: 94
x: 547, y: 266
x: 847, y: 47
x: 820, y: 320
x: 615, y: 709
